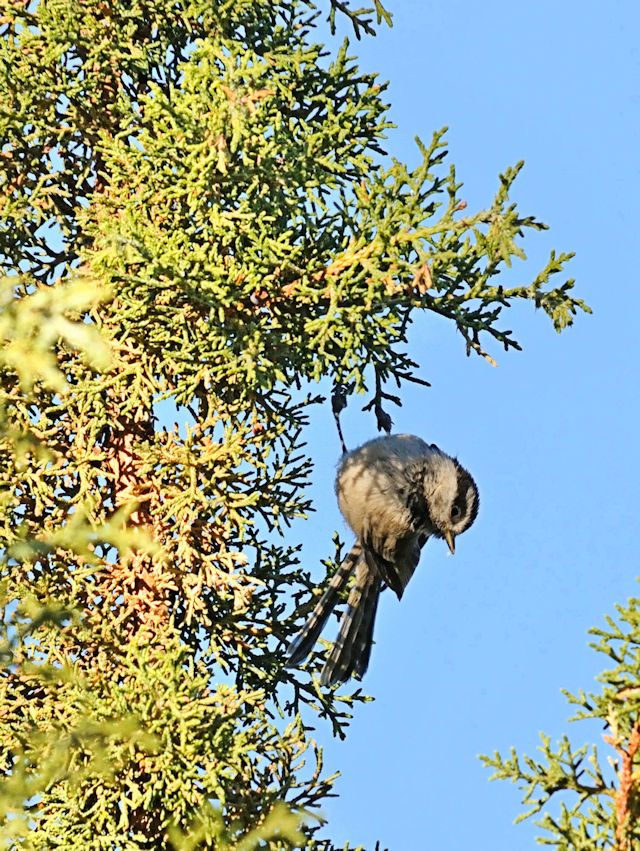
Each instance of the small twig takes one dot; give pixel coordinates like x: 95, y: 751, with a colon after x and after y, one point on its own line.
x: 475, y: 345
x: 384, y: 421
x: 338, y: 402
x: 342, y: 443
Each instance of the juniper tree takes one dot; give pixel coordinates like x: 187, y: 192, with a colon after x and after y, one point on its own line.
x: 587, y: 804
x: 197, y: 206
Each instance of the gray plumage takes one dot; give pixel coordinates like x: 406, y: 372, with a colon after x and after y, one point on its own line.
x: 395, y: 492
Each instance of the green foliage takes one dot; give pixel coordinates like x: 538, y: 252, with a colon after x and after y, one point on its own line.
x: 30, y: 327
x: 196, y: 206
x: 599, y: 806
x: 125, y: 760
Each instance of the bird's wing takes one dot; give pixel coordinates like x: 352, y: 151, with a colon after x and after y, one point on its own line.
x: 394, y: 560
x: 407, y: 556
x: 375, y: 550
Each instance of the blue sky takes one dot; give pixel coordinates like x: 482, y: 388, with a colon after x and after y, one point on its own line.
x: 475, y: 656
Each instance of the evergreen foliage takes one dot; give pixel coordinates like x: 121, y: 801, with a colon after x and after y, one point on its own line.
x: 587, y: 805
x: 196, y: 206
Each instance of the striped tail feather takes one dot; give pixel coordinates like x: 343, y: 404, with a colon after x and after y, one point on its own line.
x: 352, y: 649
x: 362, y: 650
x: 303, y: 642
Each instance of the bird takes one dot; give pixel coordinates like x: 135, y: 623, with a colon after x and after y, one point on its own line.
x: 395, y: 492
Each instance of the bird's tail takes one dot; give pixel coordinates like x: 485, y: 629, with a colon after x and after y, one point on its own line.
x: 306, y: 638
x: 352, y: 649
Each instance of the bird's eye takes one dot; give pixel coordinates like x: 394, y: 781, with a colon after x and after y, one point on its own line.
x: 456, y: 512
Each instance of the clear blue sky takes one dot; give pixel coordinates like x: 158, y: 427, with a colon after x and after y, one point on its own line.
x: 475, y: 656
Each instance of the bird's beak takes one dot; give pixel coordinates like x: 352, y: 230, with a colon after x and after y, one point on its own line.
x: 450, y: 540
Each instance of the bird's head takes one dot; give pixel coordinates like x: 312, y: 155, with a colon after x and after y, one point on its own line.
x: 451, y: 496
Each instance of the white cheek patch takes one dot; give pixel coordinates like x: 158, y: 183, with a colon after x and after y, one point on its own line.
x: 447, y: 493
x: 442, y: 497
x: 468, y: 512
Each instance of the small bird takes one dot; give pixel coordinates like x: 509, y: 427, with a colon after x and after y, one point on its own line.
x: 395, y: 492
